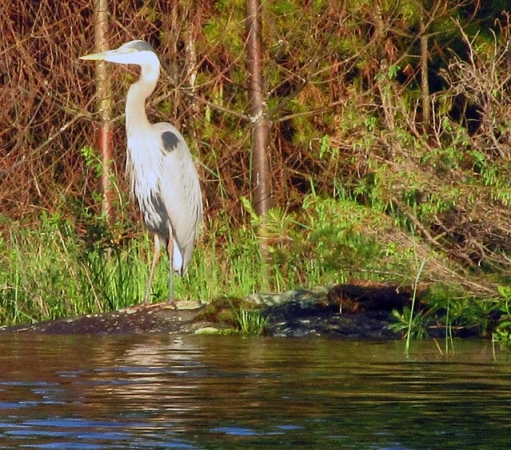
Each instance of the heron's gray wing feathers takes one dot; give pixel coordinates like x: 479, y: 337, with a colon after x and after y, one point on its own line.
x: 179, y: 189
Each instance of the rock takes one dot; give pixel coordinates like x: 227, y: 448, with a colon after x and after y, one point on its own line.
x: 156, y: 318
x: 306, y: 297
x: 208, y: 330
x: 358, y: 310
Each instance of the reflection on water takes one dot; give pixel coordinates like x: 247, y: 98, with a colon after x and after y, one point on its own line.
x: 144, y: 391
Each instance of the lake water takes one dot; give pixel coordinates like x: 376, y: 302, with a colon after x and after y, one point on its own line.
x: 214, y: 392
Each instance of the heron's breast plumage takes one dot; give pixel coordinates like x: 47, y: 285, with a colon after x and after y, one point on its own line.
x: 144, y: 171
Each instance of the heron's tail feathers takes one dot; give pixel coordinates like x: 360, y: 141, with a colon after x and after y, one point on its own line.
x: 177, y: 260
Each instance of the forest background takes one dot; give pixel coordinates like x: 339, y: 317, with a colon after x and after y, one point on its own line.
x: 390, y: 150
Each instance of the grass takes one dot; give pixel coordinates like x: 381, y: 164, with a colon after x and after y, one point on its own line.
x: 51, y: 270
x: 502, y: 333
x: 251, y: 322
x: 412, y: 308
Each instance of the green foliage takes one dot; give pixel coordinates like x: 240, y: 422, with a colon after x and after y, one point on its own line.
x: 470, y: 313
x: 236, y: 314
x: 251, y: 322
x: 502, y: 334
x: 411, y: 325
x: 450, y: 312
x: 52, y: 271
x: 37, y: 280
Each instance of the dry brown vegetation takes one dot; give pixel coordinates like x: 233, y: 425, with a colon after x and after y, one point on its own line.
x: 48, y: 98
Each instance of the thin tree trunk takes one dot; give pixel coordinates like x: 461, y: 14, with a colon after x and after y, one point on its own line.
x: 195, y: 19
x: 104, y: 93
x: 424, y: 61
x: 261, y: 185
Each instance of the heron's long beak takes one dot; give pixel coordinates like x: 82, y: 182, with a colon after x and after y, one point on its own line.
x: 95, y: 56
x: 126, y: 56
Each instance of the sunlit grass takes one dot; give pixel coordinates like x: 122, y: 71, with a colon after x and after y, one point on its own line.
x: 50, y: 271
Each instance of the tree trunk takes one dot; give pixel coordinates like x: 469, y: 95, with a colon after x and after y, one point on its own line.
x: 261, y: 185
x: 104, y: 93
x: 424, y: 61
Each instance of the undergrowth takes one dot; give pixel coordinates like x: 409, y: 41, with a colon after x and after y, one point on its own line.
x: 56, y: 268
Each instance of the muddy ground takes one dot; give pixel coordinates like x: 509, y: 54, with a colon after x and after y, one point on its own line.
x: 352, y: 311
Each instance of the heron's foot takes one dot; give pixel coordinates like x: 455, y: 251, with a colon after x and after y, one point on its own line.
x: 142, y: 305
x: 171, y: 303
x: 146, y: 305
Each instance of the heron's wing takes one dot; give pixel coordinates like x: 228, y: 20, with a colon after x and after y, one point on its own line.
x: 179, y: 189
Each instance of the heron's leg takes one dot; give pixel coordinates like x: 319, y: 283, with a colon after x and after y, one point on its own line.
x: 170, y: 251
x: 156, y: 257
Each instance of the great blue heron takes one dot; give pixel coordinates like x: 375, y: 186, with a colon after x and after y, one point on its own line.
x: 163, y: 176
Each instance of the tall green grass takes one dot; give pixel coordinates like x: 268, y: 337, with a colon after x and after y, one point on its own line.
x: 50, y: 270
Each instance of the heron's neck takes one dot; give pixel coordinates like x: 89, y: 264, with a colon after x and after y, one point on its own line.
x: 138, y: 93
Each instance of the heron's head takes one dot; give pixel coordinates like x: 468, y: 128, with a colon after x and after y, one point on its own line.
x: 134, y: 52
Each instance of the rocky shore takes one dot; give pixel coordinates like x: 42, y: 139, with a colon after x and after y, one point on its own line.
x: 352, y: 311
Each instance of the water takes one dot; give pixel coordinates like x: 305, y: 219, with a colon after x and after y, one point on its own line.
x: 191, y: 392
